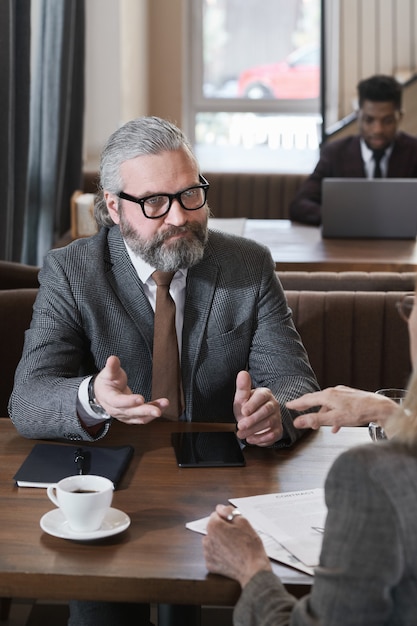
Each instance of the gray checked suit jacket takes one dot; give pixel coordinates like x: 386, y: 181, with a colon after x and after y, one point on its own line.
x: 368, y: 565
x: 91, y: 305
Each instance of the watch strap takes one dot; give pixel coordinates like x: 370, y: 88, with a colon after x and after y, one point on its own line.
x: 94, y: 405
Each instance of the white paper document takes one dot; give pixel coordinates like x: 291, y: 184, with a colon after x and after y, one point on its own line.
x: 290, y: 525
x: 295, y: 519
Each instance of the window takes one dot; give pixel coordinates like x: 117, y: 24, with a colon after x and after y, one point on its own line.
x: 255, y: 83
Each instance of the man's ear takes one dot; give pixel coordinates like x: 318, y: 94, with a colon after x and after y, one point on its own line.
x: 112, y: 203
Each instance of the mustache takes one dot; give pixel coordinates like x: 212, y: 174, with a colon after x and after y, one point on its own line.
x: 197, y: 229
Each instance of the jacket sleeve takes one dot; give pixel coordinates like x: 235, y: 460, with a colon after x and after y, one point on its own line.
x: 264, y: 602
x: 278, y: 359
x: 362, y: 558
x: 44, y: 398
x: 306, y: 206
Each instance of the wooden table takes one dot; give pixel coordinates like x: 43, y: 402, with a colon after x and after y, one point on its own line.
x: 157, y: 559
x: 298, y: 247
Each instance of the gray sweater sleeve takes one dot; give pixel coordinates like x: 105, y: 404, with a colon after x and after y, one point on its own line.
x: 264, y: 602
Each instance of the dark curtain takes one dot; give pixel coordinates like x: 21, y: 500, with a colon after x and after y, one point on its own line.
x: 14, y: 122
x: 56, y: 124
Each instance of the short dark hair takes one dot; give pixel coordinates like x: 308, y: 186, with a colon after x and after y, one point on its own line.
x: 380, y: 88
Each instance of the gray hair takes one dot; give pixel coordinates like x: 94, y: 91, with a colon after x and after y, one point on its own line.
x: 140, y: 137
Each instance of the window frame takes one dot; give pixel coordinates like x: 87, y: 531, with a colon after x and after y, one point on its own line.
x: 195, y: 102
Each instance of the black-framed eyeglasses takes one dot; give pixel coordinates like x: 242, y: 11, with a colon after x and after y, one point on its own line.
x: 405, y: 305
x: 158, y: 205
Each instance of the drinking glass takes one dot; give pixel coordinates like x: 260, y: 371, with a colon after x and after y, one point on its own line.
x: 376, y: 431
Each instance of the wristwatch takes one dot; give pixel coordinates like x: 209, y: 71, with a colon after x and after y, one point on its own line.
x: 94, y: 405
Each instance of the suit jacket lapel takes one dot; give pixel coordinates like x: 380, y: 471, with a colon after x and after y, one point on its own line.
x: 353, y: 163
x: 201, y: 283
x: 125, y: 282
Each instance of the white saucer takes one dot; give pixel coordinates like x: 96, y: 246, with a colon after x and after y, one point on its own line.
x: 54, y: 523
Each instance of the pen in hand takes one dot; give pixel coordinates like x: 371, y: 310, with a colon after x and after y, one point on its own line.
x: 79, y: 460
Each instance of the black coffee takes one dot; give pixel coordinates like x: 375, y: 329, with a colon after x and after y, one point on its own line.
x: 84, y: 491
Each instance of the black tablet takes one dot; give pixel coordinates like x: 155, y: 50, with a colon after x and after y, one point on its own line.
x: 208, y: 449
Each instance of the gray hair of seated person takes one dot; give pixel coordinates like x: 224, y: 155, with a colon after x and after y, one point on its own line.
x: 139, y: 137
x: 402, y: 424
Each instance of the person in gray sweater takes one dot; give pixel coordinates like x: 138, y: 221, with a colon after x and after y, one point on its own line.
x: 367, y: 573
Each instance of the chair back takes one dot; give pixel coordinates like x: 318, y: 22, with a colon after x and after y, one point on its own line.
x: 347, y: 281
x: 354, y: 338
x: 18, y: 275
x: 16, y: 307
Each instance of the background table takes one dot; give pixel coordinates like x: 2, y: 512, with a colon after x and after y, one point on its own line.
x: 298, y: 247
x: 157, y: 559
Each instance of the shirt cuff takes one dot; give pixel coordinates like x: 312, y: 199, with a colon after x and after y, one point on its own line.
x: 85, y: 412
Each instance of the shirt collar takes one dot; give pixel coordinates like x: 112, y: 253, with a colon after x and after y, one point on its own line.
x: 367, y: 153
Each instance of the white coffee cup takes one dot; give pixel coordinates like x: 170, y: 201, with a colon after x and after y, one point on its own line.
x: 83, y: 499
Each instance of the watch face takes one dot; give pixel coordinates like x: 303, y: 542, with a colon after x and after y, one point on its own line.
x: 99, y: 410
x: 96, y: 408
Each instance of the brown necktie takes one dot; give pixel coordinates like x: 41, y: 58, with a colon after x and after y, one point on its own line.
x: 166, y: 371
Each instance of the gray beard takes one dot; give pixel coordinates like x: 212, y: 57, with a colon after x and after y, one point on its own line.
x: 179, y: 254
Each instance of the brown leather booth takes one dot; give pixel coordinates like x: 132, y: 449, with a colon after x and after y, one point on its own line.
x: 354, y: 338
x: 347, y: 281
x: 18, y: 275
x: 241, y: 194
x: 251, y: 195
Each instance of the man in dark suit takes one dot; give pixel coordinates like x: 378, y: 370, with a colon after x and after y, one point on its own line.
x: 88, y: 356
x: 379, y: 150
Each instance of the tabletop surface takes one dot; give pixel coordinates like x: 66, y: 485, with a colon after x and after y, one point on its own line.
x: 299, y: 247
x: 156, y: 559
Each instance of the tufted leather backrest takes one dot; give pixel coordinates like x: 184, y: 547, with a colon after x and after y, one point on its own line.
x: 240, y: 194
x: 15, y: 315
x: 15, y: 275
x: 347, y: 281
x: 353, y: 338
x: 252, y: 195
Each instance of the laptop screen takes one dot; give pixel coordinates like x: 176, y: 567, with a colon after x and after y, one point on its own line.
x: 384, y: 208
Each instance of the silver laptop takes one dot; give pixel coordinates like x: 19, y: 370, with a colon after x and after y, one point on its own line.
x: 384, y: 208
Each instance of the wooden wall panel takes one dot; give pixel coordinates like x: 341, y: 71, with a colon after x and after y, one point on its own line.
x: 385, y: 50
x: 367, y: 26
x: 349, y: 47
x: 402, y: 36
x: 409, y: 122
x: 376, y: 36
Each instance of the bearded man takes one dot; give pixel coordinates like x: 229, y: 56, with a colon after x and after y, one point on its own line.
x: 89, y: 355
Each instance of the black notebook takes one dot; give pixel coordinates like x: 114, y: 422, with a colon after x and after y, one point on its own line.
x: 47, y: 463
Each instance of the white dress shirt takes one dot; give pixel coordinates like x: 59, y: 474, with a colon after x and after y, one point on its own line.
x: 369, y: 163
x: 177, y: 291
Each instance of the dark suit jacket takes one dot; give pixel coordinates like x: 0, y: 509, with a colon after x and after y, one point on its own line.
x: 91, y: 305
x: 368, y: 565
x: 343, y: 159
